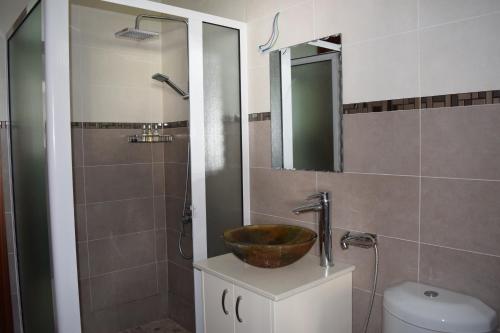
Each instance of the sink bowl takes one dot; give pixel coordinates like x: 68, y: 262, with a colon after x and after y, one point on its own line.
x: 270, y: 245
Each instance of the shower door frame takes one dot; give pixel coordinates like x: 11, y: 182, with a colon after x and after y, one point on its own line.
x: 197, y: 124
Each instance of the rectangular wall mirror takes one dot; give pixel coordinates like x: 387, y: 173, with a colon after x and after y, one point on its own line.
x: 306, y: 105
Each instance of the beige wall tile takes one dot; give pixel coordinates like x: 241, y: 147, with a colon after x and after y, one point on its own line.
x: 260, y: 144
x: 434, y: 12
x: 173, y: 250
x: 181, y: 311
x: 277, y: 192
x: 77, y: 147
x: 398, y: 262
x: 382, y: 142
x: 111, y: 146
x: 121, y: 252
x: 123, y: 316
x: 364, y: 19
x: 386, y: 205
x: 295, y: 25
x: 177, y: 151
x: 78, y: 186
x: 122, y: 287
x: 173, y: 212
x: 448, y: 67
x: 259, y: 89
x: 391, y: 60
x: 180, y: 282
x: 473, y: 274
x: 83, y: 260
x: 81, y: 222
x: 461, y: 142
x: 461, y: 214
x: 360, y: 303
x: 175, y: 180
x: 117, y: 182
x: 113, y: 218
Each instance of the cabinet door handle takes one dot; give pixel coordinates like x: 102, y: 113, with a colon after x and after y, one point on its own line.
x: 223, y: 301
x: 238, y: 300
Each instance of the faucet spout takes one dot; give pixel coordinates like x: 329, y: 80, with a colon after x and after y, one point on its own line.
x: 313, y: 206
x: 320, y: 202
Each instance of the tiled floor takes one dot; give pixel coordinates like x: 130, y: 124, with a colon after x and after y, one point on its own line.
x: 160, y: 326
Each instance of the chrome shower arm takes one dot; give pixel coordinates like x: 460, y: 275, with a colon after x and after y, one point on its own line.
x: 156, y: 17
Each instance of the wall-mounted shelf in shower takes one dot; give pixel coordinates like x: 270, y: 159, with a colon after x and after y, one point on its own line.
x: 150, y: 138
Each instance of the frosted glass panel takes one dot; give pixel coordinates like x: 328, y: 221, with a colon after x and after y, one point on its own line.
x: 29, y: 173
x: 221, y: 76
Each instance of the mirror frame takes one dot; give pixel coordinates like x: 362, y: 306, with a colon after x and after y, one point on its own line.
x: 276, y: 103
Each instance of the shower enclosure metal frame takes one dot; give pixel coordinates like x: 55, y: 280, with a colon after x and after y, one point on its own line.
x: 59, y: 161
x: 56, y: 111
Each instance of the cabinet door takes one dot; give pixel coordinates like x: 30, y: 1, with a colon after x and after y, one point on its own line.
x: 218, y: 303
x: 252, y: 312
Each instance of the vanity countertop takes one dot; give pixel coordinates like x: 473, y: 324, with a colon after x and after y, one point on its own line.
x: 273, y: 283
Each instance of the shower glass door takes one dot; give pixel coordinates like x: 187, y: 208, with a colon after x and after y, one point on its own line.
x: 29, y: 172
x: 223, y: 155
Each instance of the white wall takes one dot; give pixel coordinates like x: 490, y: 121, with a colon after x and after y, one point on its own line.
x: 111, y: 78
x: 391, y: 48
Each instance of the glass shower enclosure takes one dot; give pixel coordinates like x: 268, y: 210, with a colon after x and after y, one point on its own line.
x: 29, y: 172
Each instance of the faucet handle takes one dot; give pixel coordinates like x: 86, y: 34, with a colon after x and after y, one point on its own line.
x: 320, y: 195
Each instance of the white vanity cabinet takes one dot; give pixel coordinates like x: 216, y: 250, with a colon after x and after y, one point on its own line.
x: 300, y: 298
x: 229, y: 308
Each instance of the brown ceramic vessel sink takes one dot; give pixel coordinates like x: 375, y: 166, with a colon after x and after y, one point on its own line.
x: 270, y: 245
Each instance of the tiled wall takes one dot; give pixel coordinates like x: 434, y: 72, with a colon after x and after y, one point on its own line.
x: 112, y: 74
x: 392, y: 49
x: 128, y: 197
x: 426, y: 181
x: 128, y: 200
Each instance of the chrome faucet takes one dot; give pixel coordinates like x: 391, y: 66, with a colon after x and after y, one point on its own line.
x: 320, y: 202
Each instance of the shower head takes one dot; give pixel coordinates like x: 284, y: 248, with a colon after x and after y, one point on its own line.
x: 160, y: 77
x: 165, y: 79
x: 136, y: 34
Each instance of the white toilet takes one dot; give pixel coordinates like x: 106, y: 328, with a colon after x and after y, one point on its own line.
x: 418, y: 308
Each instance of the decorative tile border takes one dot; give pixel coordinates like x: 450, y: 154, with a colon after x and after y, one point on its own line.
x: 380, y: 106
x: 111, y: 125
x: 414, y: 103
x: 429, y: 102
x: 259, y: 116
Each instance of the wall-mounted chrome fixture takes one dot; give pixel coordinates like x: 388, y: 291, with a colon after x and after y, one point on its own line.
x: 165, y: 79
x: 320, y: 202
x: 150, y: 134
x: 138, y: 34
x: 274, y: 36
x: 365, y: 241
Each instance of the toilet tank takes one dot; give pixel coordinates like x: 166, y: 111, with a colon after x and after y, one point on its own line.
x: 417, y: 308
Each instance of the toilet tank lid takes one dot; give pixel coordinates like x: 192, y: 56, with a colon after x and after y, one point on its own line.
x: 439, y: 309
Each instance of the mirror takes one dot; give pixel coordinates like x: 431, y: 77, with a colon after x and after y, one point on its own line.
x: 306, y: 106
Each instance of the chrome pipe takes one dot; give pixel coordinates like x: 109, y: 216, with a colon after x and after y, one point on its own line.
x: 320, y: 202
